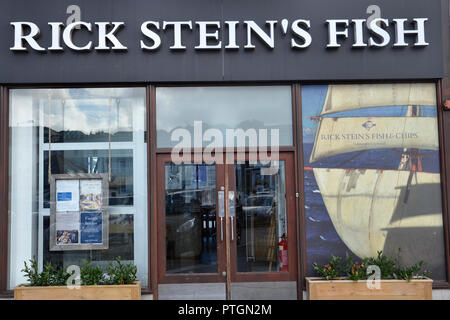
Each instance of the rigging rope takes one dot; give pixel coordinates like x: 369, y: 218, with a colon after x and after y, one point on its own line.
x: 348, y: 160
x: 49, y: 172
x: 109, y: 140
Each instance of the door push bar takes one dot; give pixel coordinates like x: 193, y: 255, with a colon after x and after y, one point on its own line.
x: 221, y: 198
x: 231, y: 211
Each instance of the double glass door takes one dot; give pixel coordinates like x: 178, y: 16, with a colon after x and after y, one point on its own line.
x: 226, y: 222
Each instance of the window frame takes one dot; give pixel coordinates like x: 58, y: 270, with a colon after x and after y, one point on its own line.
x: 442, y: 118
x: 138, y: 145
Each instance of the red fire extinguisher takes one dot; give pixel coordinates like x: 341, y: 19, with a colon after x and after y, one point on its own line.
x: 283, y: 253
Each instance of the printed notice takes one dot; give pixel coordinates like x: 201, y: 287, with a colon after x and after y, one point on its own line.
x: 91, y: 228
x: 91, y: 195
x: 67, y: 195
x: 67, y: 228
x: 79, y: 218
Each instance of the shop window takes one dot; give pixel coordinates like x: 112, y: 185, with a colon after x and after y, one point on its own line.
x: 77, y: 131
x: 372, y: 173
x: 222, y: 108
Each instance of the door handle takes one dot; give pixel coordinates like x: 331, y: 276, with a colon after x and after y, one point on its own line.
x: 221, y: 202
x: 231, y: 211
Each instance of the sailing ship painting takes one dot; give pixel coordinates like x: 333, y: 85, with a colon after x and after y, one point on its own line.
x: 372, y: 172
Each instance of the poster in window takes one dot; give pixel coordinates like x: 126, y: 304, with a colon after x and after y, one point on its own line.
x: 372, y: 173
x: 79, y: 215
x: 67, y: 227
x: 67, y: 195
x: 91, y: 228
x: 91, y: 195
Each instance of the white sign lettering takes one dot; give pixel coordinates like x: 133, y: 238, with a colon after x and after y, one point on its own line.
x: 213, y: 35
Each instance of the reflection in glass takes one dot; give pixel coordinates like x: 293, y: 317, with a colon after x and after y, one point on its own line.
x: 87, y: 115
x: 95, y: 161
x: 82, y: 122
x: 90, y: 120
x: 261, y: 217
x: 191, y: 242
x: 121, y: 244
x: 221, y: 108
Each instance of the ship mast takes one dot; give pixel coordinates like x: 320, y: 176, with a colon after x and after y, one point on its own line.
x: 411, y: 159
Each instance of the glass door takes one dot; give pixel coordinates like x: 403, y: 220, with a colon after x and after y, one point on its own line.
x: 191, y: 222
x: 262, y: 219
x: 226, y: 222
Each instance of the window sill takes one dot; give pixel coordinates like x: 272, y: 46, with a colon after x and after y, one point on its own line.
x: 8, y: 294
x: 441, y: 285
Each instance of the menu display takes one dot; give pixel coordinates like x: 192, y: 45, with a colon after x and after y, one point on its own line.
x: 91, y: 195
x: 79, y: 214
x: 67, y: 195
x: 67, y: 227
x: 91, y: 227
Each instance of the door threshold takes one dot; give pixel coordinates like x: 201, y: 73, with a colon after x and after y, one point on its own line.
x: 192, y: 291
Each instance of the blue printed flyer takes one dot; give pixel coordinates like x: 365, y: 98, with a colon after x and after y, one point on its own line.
x: 91, y: 228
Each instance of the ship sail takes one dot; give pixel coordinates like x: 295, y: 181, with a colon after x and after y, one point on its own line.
x: 351, y: 97
x: 342, y: 135
x: 365, y: 205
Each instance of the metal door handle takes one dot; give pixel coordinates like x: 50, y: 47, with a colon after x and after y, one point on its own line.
x: 231, y: 211
x: 221, y: 202
x: 221, y: 229
x: 232, y: 228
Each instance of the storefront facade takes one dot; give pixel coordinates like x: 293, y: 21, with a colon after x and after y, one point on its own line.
x: 240, y: 142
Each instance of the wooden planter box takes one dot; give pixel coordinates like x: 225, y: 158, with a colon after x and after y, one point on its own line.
x: 320, y: 289
x: 107, y: 292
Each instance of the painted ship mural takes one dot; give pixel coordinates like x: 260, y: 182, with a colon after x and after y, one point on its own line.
x: 376, y: 209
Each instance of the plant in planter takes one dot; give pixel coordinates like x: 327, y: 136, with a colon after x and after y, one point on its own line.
x: 353, y: 279
x: 119, y: 281
x: 50, y: 276
x: 92, y: 275
x: 119, y: 273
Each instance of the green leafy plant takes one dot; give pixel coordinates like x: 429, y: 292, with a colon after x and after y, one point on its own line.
x: 53, y: 275
x: 60, y: 277
x: 92, y: 275
x: 388, y: 266
x: 353, y: 269
x: 358, y: 271
x: 414, y: 271
x: 332, y: 270
x: 119, y: 273
x: 32, y: 272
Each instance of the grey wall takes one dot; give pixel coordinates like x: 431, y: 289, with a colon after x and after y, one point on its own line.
x: 260, y: 64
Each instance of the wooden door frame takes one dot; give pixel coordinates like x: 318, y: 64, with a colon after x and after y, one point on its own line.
x: 227, y: 262
x: 165, y: 278
x: 154, y: 151
x: 4, y: 190
x: 291, y: 220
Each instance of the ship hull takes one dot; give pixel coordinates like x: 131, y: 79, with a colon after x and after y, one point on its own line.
x: 376, y: 210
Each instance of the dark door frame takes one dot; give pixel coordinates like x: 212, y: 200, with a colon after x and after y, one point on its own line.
x: 165, y: 278
x: 291, y: 275
x: 227, y: 258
